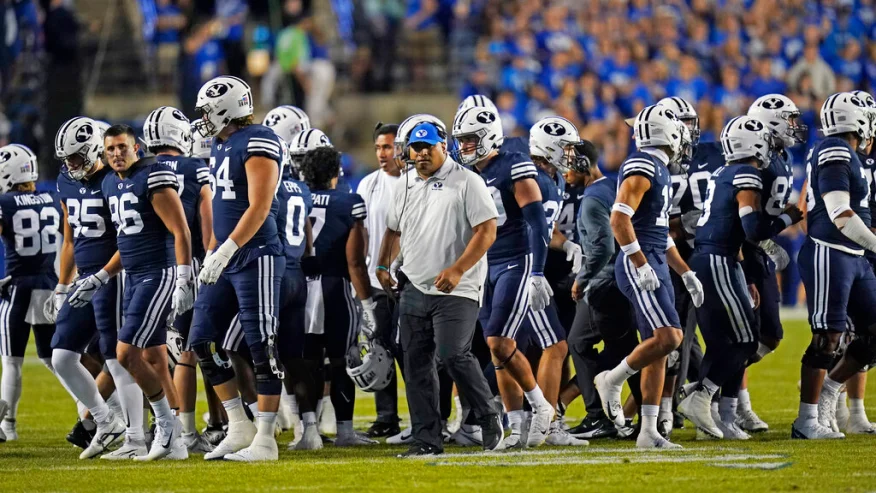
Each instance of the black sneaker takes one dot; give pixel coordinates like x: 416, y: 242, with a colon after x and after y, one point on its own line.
x: 421, y: 450
x: 593, y: 428
x: 380, y: 430
x: 492, y: 432
x: 79, y: 436
x: 214, y: 434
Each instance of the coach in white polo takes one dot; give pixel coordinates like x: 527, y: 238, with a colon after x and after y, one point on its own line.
x: 446, y: 220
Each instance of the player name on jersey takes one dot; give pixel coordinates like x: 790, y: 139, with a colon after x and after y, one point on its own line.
x: 41, y: 199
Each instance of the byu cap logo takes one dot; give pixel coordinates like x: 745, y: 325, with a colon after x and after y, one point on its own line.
x: 421, y: 133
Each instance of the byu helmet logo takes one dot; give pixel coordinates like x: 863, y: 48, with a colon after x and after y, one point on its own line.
x: 273, y: 120
x: 323, y: 140
x: 753, y: 125
x: 486, y: 117
x: 216, y: 90
x: 178, y: 115
x: 421, y: 133
x: 84, y: 133
x: 855, y: 101
x: 5, y: 156
x: 555, y: 129
x: 773, y: 103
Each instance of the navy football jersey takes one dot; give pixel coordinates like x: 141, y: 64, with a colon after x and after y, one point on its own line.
x: 230, y: 197
x: 31, y: 232
x: 295, y: 206
x: 332, y: 218
x: 719, y: 229
x: 569, y: 211
x: 191, y: 175
x: 651, y: 219
x: 778, y: 182
x: 94, y: 237
x: 516, y: 144
x: 832, y: 165
x: 512, y: 234
x: 145, y: 244
x: 689, y: 190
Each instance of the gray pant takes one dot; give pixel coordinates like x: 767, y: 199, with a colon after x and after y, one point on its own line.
x: 442, y: 327
x: 386, y: 316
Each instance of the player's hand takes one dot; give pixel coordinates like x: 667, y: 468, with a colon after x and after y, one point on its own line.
x: 646, y: 278
x: 574, y: 255
x: 369, y: 321
x: 216, y: 263
x: 776, y: 253
x: 84, y: 289
x: 754, y: 296
x: 794, y: 213
x: 448, y: 279
x: 386, y: 281
x: 694, y: 287
x: 184, y: 293
x: 55, y: 302
x: 576, y: 293
x: 540, y: 292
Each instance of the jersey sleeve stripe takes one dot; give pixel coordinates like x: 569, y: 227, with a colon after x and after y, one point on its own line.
x: 263, y: 142
x: 747, y: 184
x: 638, y: 169
x: 747, y: 177
x: 266, y: 150
x: 161, y: 176
x: 158, y: 174
x: 834, y: 156
x: 639, y: 161
x: 525, y: 164
x: 835, y: 148
x: 163, y: 184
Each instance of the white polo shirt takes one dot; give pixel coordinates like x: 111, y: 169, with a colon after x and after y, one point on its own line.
x: 435, y: 218
x: 376, y: 189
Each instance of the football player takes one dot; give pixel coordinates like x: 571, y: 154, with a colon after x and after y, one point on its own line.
x: 516, y: 259
x: 89, y: 243
x: 839, y: 281
x: 640, y: 223
x: 339, y: 245
x: 154, y: 248
x: 29, y: 223
x: 731, y: 213
x: 167, y: 134
x: 243, y: 273
x: 287, y: 121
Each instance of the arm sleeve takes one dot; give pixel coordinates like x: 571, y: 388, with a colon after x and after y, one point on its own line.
x: 596, y: 238
x: 637, y: 166
x: 479, y: 204
x: 202, y: 174
x: 161, y: 177
x: 522, y: 170
x: 539, y: 234
x: 359, y: 211
x: 264, y: 146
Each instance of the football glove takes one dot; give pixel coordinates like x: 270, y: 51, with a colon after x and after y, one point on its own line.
x: 55, y: 302
x: 369, y: 322
x: 646, y: 278
x: 84, y: 289
x: 184, y: 292
x: 574, y: 255
x: 776, y: 253
x: 216, y: 263
x: 540, y: 292
x: 694, y: 287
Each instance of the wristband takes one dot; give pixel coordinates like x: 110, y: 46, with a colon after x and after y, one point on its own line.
x: 538, y: 274
x: 184, y: 272
x: 786, y: 219
x: 631, y: 248
x: 623, y: 209
x: 670, y: 243
x: 382, y: 267
x: 102, y: 276
x: 62, y: 288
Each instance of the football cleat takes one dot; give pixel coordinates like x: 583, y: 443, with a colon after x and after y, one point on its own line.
x: 628, y: 431
x: 129, y: 450
x: 327, y: 422
x: 4, y: 406
x: 165, y: 441
x: 261, y: 449
x: 842, y: 411
x: 732, y: 431
x: 594, y: 428
x: 560, y: 437
x: 492, y: 432
x: 406, y: 436
x: 813, y: 430
x: 420, y: 450
x: 664, y: 424
x: 354, y: 439
x: 105, y: 435
x: 749, y: 421
x: 651, y: 440
x: 697, y: 407
x: 540, y: 425
x: 859, y: 425
x: 379, y: 430
x: 178, y: 449
x: 827, y: 411
x: 514, y: 441
x: 79, y: 436
x: 240, y: 435
x: 611, y: 398
x: 468, y: 436
x: 195, y: 443
x: 214, y: 434
x: 310, y: 439
x: 8, y: 429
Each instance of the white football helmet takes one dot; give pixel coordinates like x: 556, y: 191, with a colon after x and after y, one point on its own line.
x: 686, y: 113
x: 844, y: 112
x: 287, y: 121
x: 167, y: 126
x: 370, y: 366
x: 175, y: 347
x: 656, y: 125
x: 221, y: 100
x: 202, y: 146
x: 550, y: 137
x: 870, y: 103
x: 79, y: 136
x: 305, y: 141
x: 745, y: 137
x: 404, y: 133
x: 481, y: 123
x: 18, y: 164
x: 782, y: 118
x: 477, y: 101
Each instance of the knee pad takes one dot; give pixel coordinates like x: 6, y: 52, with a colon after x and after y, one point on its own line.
x: 503, y: 362
x: 863, y: 349
x: 267, y: 380
x: 818, y: 358
x: 213, y: 362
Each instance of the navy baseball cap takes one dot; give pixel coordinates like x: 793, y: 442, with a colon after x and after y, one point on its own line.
x: 425, y: 132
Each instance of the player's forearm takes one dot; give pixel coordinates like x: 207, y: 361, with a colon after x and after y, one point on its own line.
x: 205, y: 216
x: 558, y: 239
x: 67, y: 267
x: 114, y: 266
x: 625, y: 235
x: 387, y: 248
x: 676, y: 263
x: 250, y: 222
x: 360, y: 280
x: 483, y: 237
x: 182, y: 245
x: 539, y: 236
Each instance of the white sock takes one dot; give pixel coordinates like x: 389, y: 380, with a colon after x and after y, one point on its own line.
x: 620, y: 373
x: 254, y: 408
x: 666, y: 405
x: 267, y: 422
x: 345, y: 428
x: 535, y: 397
x: 130, y: 399
x: 807, y: 412
x: 234, y: 410
x: 649, y: 418
x: 744, y: 400
x: 831, y: 387
x: 856, y: 407
x: 710, y: 386
x: 69, y: 370
x: 161, y: 409
x: 727, y: 409
x: 515, y: 419
x: 188, y: 422
x: 309, y: 418
x: 292, y: 402
x: 10, y: 384
x: 113, y: 402
x: 763, y: 350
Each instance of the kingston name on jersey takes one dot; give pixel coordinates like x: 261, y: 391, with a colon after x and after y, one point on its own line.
x: 719, y: 230
x: 31, y: 223
x: 295, y: 206
x: 332, y: 218
x: 145, y: 244
x: 94, y: 237
x: 191, y: 174
x: 512, y: 234
x: 651, y: 219
x: 230, y: 197
x: 689, y: 190
x: 832, y: 165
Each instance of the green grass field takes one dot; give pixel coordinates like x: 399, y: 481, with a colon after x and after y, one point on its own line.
x: 43, y: 461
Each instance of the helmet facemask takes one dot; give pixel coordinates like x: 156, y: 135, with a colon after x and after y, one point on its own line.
x: 475, y: 155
